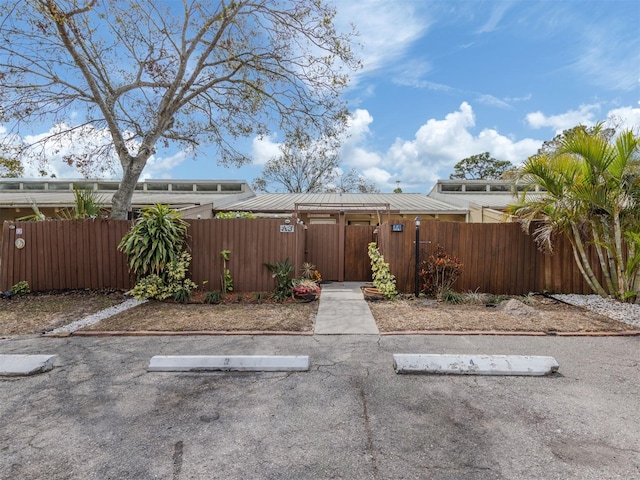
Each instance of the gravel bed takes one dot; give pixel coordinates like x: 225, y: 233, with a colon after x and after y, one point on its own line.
x: 623, y: 312
x: 101, y: 315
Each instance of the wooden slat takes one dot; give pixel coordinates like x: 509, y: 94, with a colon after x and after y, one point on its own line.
x: 498, y: 258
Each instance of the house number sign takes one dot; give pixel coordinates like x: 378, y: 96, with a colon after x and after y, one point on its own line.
x: 287, y: 228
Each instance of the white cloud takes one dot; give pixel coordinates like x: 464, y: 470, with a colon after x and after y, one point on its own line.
x: 386, y: 29
x: 437, y: 146
x: 49, y: 150
x: 626, y: 118
x: 623, y: 117
x: 352, y: 151
x: 48, y: 154
x: 161, y: 167
x: 440, y: 143
x: 264, y: 149
x: 585, y: 115
x: 498, y: 11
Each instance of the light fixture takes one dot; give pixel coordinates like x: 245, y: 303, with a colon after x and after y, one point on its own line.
x: 417, y: 221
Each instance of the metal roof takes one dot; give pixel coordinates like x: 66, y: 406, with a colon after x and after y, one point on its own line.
x: 401, y: 203
x: 495, y: 194
x: 176, y: 193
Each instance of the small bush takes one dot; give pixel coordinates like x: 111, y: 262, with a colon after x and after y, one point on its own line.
x: 154, y: 241
x: 474, y: 297
x: 174, y: 283
x: 20, y: 288
x: 439, y: 272
x: 496, y: 299
x: 260, y: 297
x: 232, y: 215
x: 281, y: 271
x: 527, y: 299
x: 214, y: 297
x: 449, y: 296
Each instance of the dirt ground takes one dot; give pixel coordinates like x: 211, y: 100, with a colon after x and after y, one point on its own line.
x: 38, y: 313
x: 158, y: 316
x: 540, y: 314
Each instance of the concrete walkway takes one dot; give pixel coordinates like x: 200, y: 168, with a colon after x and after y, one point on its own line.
x: 344, y: 311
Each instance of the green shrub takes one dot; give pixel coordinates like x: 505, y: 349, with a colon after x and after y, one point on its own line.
x: 449, y: 296
x: 496, y: 299
x: 174, y: 283
x: 474, y: 297
x: 232, y: 215
x: 20, y: 288
x: 214, y: 297
x: 155, y: 240
x: 383, y: 280
x: 281, y: 271
x: 260, y: 297
x: 89, y: 204
x: 227, y: 281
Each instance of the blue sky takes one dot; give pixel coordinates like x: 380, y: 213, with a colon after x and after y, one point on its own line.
x: 443, y: 80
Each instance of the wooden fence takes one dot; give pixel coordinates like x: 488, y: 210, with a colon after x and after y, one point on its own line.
x: 497, y: 257
x: 78, y: 254
x: 64, y: 254
x: 252, y: 242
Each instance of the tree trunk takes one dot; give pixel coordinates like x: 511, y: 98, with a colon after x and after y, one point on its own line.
x: 121, y: 203
x: 621, y: 270
x: 587, y: 271
x: 603, y: 261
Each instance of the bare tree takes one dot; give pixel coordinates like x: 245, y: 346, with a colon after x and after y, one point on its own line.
x: 200, y: 72
x: 311, y: 167
x: 299, y: 169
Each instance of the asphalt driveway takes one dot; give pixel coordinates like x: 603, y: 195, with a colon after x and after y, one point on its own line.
x: 100, y: 415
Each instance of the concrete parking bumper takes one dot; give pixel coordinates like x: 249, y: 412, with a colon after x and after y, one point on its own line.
x: 22, y: 365
x: 238, y: 363
x: 475, y: 364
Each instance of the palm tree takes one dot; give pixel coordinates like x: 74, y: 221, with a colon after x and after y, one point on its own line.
x: 592, y: 191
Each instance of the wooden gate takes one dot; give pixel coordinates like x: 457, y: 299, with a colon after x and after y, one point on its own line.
x: 340, y: 255
x: 323, y: 250
x: 357, y: 267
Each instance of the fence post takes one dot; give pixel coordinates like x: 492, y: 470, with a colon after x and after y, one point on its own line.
x: 416, y: 272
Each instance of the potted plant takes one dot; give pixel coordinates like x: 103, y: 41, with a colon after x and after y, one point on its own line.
x: 305, y: 289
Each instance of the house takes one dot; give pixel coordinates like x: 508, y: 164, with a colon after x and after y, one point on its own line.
x: 194, y: 198
x: 486, y: 201
x: 349, y: 208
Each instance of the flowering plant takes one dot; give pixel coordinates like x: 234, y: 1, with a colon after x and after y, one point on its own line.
x: 303, y: 286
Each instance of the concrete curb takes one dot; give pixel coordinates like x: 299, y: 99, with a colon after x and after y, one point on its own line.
x: 475, y: 364
x: 151, y: 333
x: 162, y: 333
x: 627, y: 333
x: 24, y: 365
x: 227, y: 363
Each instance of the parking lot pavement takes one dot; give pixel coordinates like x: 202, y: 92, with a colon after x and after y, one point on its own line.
x: 100, y: 415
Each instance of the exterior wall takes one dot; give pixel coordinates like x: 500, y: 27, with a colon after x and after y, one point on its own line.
x: 199, y: 212
x: 478, y: 214
x: 352, y: 218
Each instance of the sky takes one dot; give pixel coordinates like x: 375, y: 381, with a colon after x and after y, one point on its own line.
x: 444, y: 80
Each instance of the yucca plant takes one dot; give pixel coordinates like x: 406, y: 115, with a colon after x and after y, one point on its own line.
x: 88, y: 204
x: 155, y: 240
